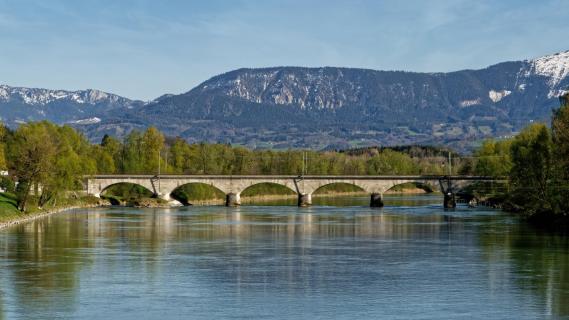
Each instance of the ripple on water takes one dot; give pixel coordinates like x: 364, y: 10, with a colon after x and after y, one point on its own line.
x: 408, y: 260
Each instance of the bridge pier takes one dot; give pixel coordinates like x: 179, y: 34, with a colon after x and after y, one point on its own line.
x: 449, y: 201
x: 232, y: 199
x: 304, y: 199
x: 376, y: 200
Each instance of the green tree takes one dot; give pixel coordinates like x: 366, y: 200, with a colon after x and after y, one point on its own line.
x: 560, y: 136
x: 48, y: 159
x: 32, y: 154
x: 179, y: 154
x: 3, y: 137
x: 493, y: 158
x: 132, y: 153
x: 112, y: 147
x: 531, y: 155
x: 391, y: 162
x: 152, y: 145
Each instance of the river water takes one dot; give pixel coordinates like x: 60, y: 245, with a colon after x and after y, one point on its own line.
x: 409, y: 260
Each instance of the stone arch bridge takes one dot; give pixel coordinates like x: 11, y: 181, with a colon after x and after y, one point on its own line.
x: 304, y: 186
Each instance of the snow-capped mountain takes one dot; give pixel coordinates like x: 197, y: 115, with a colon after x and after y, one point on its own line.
x: 342, y: 107
x: 555, y: 68
x: 18, y: 104
x: 328, y: 107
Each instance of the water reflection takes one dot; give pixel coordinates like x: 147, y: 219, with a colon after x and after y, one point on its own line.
x: 540, y: 261
x: 409, y: 259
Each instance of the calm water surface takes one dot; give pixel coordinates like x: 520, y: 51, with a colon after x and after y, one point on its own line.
x: 409, y: 260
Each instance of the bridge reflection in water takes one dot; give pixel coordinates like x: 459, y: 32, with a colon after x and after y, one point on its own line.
x: 318, y: 260
x: 163, y: 186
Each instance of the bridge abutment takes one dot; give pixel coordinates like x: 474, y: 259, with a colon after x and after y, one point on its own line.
x: 304, y: 199
x: 232, y: 199
x: 376, y: 200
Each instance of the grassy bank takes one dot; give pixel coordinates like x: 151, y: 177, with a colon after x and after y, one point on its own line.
x: 9, y: 213
x: 8, y: 208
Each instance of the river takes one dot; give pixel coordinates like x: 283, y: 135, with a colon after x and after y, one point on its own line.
x: 408, y: 260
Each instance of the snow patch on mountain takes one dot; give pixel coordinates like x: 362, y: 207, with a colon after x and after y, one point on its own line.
x: 496, y: 96
x: 87, y: 121
x: 469, y: 103
x: 555, y: 93
x: 33, y: 96
x: 555, y: 67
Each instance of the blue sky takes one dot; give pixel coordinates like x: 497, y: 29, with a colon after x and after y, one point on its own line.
x: 143, y: 49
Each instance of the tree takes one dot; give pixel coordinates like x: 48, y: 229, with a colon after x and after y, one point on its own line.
x: 152, y: 145
x: 179, y: 155
x: 132, y: 159
x: 493, y: 158
x: 560, y: 133
x: 113, y: 148
x: 104, y: 160
x: 3, y: 136
x: 391, y: 162
x: 32, y: 154
x: 48, y: 158
x: 531, y: 153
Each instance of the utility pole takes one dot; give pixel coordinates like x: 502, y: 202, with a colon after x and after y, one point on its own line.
x: 306, y: 163
x: 304, y: 160
x: 449, y: 165
x: 159, y: 172
x: 166, y: 160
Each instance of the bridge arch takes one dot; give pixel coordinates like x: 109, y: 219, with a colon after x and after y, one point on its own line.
x: 369, y: 186
x: 427, y: 187
x: 96, y: 188
x: 246, y: 184
x: 270, y: 185
x: 125, y: 190
x: 185, y: 195
x: 340, y: 185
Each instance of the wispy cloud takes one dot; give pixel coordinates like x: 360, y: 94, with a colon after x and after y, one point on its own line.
x: 143, y: 48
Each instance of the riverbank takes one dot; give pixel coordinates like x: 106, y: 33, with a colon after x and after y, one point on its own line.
x: 10, y: 216
x: 407, y: 191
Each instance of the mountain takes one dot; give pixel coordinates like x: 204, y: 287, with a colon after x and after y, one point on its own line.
x: 19, y: 105
x: 287, y: 107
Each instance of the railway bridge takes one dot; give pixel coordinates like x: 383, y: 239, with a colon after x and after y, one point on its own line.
x: 162, y: 186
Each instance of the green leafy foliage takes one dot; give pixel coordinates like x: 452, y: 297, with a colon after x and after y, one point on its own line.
x: 531, y: 154
x: 47, y: 159
x: 537, y: 164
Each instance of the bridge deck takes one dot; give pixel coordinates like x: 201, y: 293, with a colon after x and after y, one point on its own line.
x: 311, y: 177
